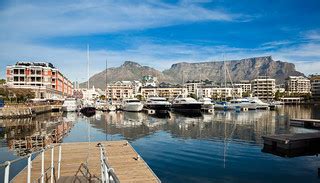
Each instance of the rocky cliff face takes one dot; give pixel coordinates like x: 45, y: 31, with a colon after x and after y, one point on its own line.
x: 244, y: 69
x: 127, y: 71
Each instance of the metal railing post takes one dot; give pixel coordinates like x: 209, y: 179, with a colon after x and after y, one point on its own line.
x: 59, y: 161
x: 7, y: 171
x: 52, y: 163
x: 29, y: 169
x: 106, y: 173
x: 42, y: 166
x: 101, y: 167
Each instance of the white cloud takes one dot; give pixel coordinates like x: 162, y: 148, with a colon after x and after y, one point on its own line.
x: 57, y: 18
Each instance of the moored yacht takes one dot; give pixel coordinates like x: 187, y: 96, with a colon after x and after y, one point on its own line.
x: 88, y: 108
x: 132, y: 105
x: 259, y: 103
x: 206, y: 103
x: 243, y: 103
x: 157, y: 103
x: 186, y: 104
x: 70, y: 105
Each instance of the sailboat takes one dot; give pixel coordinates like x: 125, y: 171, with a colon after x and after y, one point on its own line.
x: 88, y: 109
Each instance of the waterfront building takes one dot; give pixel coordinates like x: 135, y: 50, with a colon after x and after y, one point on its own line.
x: 91, y: 93
x: 245, y: 85
x: 120, y: 90
x: 42, y: 78
x: 291, y: 100
x: 136, y: 87
x: 263, y: 87
x: 298, y: 85
x: 77, y: 94
x: 149, y: 80
x: 192, y: 86
x: 167, y: 92
x: 315, y: 87
x: 226, y: 92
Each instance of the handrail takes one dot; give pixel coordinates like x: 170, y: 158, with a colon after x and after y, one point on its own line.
x: 7, y: 164
x: 107, y: 173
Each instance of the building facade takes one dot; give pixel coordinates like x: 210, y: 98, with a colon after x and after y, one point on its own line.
x: 119, y: 90
x: 298, y: 85
x: 42, y: 78
x: 264, y: 88
x: 166, y: 92
x: 315, y: 88
x: 245, y: 85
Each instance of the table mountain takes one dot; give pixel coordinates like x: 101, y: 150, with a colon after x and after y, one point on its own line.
x: 244, y: 69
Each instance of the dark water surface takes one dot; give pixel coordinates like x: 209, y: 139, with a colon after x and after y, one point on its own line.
x: 218, y: 147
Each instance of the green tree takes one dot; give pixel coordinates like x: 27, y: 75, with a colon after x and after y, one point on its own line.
x: 246, y: 94
x: 2, y: 81
x: 102, y: 97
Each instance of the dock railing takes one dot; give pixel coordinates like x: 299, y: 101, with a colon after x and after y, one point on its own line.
x: 107, y: 173
x: 41, y: 178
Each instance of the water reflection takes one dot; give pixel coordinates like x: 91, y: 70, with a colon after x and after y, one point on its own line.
x: 26, y: 135
x: 218, y: 145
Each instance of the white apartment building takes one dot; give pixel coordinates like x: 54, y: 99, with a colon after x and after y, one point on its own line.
x: 91, y: 94
x: 222, y: 93
x: 245, y: 85
x: 263, y: 87
x: 315, y: 88
x: 150, y: 81
x: 119, y: 90
x: 298, y: 85
x: 192, y: 87
x: 167, y: 92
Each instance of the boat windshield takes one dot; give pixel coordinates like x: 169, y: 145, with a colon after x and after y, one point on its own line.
x: 132, y: 101
x: 158, y: 100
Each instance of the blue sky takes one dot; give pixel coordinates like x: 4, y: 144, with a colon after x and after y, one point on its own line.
x: 158, y: 33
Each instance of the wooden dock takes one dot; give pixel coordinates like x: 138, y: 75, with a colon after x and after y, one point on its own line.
x: 127, y: 164
x: 307, y: 123
x: 292, y: 144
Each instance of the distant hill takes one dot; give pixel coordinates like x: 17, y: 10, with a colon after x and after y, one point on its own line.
x: 244, y: 69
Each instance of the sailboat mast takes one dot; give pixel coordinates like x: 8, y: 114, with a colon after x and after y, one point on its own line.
x: 225, y: 80
x: 88, y: 74
x: 106, y: 79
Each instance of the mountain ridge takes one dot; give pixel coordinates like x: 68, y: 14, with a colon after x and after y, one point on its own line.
x: 243, y: 69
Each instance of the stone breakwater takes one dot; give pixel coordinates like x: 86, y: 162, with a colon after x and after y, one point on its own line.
x: 25, y: 111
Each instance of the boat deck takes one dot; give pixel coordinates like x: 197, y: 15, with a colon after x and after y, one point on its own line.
x: 81, y: 157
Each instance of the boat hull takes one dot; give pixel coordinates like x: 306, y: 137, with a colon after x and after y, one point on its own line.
x: 88, y: 111
x: 187, y: 107
x: 161, y: 107
x: 133, y: 107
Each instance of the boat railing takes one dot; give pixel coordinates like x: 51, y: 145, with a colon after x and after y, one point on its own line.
x: 107, y: 173
x: 7, y: 165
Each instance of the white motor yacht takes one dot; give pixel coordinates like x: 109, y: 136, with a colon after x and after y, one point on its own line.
x: 157, y: 103
x: 259, y: 103
x: 186, y: 104
x: 132, y: 105
x: 206, y: 103
x: 70, y: 105
x: 243, y: 103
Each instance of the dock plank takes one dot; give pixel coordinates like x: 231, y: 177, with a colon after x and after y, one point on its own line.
x: 121, y: 157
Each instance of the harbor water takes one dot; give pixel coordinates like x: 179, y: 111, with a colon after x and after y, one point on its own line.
x: 225, y: 146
